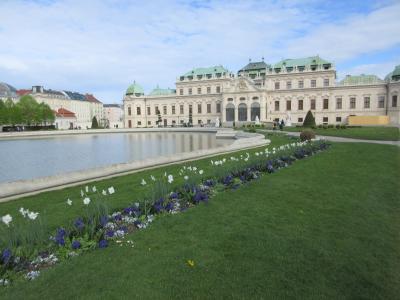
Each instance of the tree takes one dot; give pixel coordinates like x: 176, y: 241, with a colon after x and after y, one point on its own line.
x: 45, y: 114
x: 12, y: 114
x: 29, y: 109
x: 95, y: 124
x: 309, y: 121
x: 2, y: 112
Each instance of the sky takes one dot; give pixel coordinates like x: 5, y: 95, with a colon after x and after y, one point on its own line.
x: 102, y: 46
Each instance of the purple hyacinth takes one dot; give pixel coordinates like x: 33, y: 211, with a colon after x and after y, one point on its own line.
x: 103, y: 244
x: 118, y: 217
x: 209, y: 183
x: 103, y: 220
x: 200, y: 197
x: 128, y: 210
x: 124, y: 228
x: 174, y: 195
x: 169, y: 206
x: 109, y: 233
x: 79, y: 224
x: 75, y: 245
x: 227, y: 180
x: 6, y: 256
x: 59, y: 238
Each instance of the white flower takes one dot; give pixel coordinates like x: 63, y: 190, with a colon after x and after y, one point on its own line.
x: 33, y: 215
x: 82, y: 194
x: 256, y: 153
x: 170, y: 178
x: 143, y: 182
x: 224, y: 160
x: 153, y: 178
x: 69, y: 202
x: 86, y: 201
x: 111, y: 190
x: 94, y: 189
x: 212, y: 162
x: 104, y: 193
x: 190, y: 168
x: 186, y: 177
x: 194, y: 168
x: 23, y: 211
x: 6, y: 219
x: 87, y: 189
x: 165, y: 174
x: 201, y: 172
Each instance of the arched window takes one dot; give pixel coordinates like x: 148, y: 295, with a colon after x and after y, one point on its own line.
x: 242, y: 112
x: 230, y: 112
x: 242, y: 98
x: 255, y: 111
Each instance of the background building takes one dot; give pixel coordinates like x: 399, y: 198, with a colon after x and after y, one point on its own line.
x: 285, y: 91
x: 113, y: 116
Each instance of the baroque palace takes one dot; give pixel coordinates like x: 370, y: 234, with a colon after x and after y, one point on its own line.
x: 263, y: 92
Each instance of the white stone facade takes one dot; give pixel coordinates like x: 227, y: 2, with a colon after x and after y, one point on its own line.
x: 273, y: 93
x: 113, y: 115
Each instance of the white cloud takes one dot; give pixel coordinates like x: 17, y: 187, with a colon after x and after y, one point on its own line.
x: 102, y: 46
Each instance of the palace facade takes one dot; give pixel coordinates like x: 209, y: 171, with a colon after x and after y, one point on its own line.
x: 259, y: 91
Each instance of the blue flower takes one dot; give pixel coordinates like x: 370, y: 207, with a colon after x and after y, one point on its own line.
x: 169, y: 206
x: 118, y: 217
x: 174, y: 196
x: 209, y: 183
x: 103, y: 244
x: 103, y: 220
x: 60, y: 241
x: 128, y: 210
x: 75, y: 245
x: 6, y: 256
x: 124, y: 228
x: 79, y: 224
x: 227, y: 180
x: 109, y: 233
x: 61, y: 232
x: 200, y: 196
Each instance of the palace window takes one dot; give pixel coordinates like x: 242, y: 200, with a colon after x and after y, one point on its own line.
x: 312, y: 105
x: 208, y: 121
x: 148, y: 122
x: 288, y: 105
x: 138, y: 111
x: 381, y: 102
x: 352, y: 103
x: 301, y: 84
x: 288, y: 85
x: 164, y: 110
x: 218, y: 89
x: 129, y: 124
x: 218, y: 108
x: 199, y: 122
x: 173, y: 109
x: 338, y: 103
x: 180, y: 91
x: 326, y: 82
x: 181, y: 109
x: 199, y: 90
x: 129, y: 111
x: 313, y: 83
x: 148, y: 111
x: 326, y: 104
x: 325, y: 119
x: 208, y: 90
x: 300, y: 105
x: 300, y: 120
x: 199, y: 108
x: 338, y: 119
x: 209, y: 108
x: 139, y: 123
x: 367, y: 102
x: 157, y: 111
x: 277, y: 85
x: 394, y: 101
x: 276, y: 105
x: 190, y: 91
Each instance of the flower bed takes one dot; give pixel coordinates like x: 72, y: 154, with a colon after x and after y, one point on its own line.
x: 26, y: 248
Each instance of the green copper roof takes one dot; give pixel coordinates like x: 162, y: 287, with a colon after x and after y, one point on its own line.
x: 394, y: 75
x: 135, y: 89
x: 160, y: 92
x: 255, y: 66
x: 361, y: 80
x: 307, y: 61
x: 205, y: 71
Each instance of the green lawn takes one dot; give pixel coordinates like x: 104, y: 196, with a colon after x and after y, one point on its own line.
x: 326, y: 227
x: 367, y: 133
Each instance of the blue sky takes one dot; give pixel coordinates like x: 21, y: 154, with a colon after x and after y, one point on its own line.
x: 101, y: 47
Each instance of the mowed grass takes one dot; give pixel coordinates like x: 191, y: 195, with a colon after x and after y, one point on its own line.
x: 367, y: 133
x: 327, y: 227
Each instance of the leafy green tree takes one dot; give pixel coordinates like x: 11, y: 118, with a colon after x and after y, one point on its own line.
x: 12, y: 114
x: 2, y: 112
x: 29, y: 109
x: 45, y: 114
x: 95, y: 124
x: 309, y: 120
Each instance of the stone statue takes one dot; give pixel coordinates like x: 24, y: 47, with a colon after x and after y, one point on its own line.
x: 257, y: 120
x: 217, y: 123
x: 288, y: 120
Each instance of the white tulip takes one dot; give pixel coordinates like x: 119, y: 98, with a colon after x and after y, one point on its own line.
x: 143, y: 182
x: 86, y: 201
x: 153, y: 178
x: 94, y: 189
x: 201, y: 172
x: 6, y: 219
x: 170, y: 178
x: 87, y: 189
x: 82, y: 193
x: 69, y: 202
x: 23, y: 211
x: 32, y: 215
x: 104, y: 193
x: 186, y: 177
x: 111, y: 190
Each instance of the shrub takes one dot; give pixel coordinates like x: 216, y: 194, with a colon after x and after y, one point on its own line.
x: 337, y: 126
x: 309, y: 120
x: 325, y: 126
x: 251, y: 130
x: 320, y: 126
x: 307, y: 135
x: 343, y: 126
x: 313, y: 127
x: 330, y: 126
